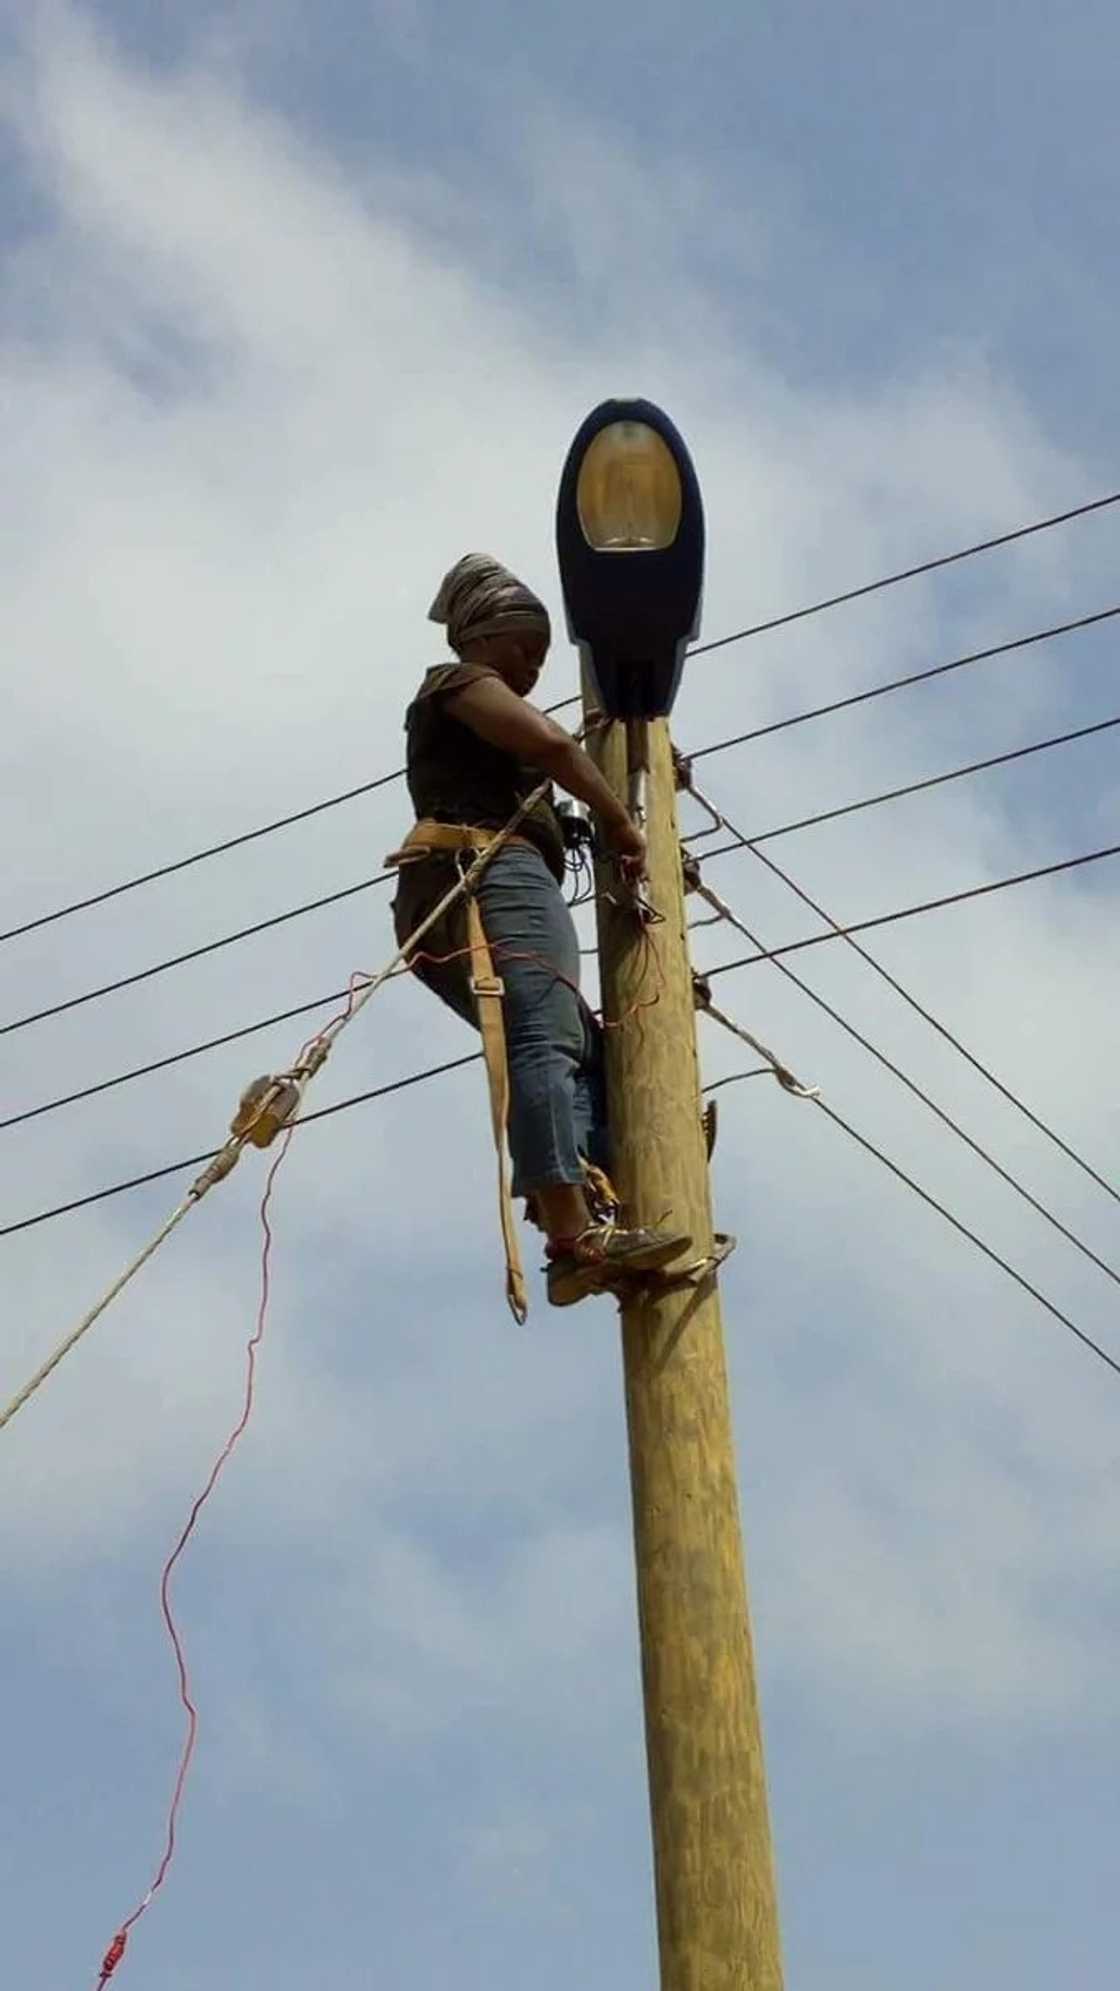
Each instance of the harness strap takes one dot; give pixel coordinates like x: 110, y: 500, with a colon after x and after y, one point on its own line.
x: 428, y: 835
x: 488, y: 990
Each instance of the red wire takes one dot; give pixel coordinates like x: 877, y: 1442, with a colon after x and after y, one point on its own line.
x: 116, y: 1949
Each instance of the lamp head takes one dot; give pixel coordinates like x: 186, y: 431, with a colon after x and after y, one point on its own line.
x: 630, y: 539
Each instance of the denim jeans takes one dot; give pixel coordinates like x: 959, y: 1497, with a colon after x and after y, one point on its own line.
x: 554, y: 1044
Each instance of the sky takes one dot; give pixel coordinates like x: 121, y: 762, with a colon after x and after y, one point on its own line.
x: 299, y: 304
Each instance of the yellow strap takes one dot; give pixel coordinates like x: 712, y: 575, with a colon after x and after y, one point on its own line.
x: 489, y: 989
x: 428, y: 835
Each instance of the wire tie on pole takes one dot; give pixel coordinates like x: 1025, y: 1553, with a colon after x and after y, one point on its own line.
x: 690, y: 871
x: 702, y: 998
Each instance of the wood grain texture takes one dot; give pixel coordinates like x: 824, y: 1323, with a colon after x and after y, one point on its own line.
x: 716, y: 1898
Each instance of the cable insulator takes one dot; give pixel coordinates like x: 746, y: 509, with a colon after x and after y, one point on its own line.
x: 264, y: 1108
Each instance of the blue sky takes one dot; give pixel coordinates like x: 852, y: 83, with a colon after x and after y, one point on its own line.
x: 298, y: 304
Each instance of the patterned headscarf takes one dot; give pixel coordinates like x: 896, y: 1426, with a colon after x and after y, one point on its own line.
x: 480, y: 597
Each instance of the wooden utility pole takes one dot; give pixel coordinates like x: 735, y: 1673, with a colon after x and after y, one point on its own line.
x: 716, y: 1901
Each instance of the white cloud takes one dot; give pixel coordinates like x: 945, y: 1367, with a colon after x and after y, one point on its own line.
x: 254, y: 414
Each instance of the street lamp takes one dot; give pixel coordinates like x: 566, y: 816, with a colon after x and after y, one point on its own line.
x: 630, y: 533
x: 630, y: 539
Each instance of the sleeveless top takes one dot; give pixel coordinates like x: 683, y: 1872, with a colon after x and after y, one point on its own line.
x: 456, y: 777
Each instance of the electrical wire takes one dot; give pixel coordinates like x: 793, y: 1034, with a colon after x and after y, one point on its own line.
x: 381, y: 878
x: 909, y: 573
x: 560, y: 705
x: 769, y: 954
x: 174, y: 1058
x: 733, y: 919
x: 961, y: 1227
x: 201, y: 1160
x: 839, y: 932
x: 903, y: 912
x: 910, y: 787
x: 219, y: 849
x: 194, y: 953
x: 384, y: 877
x: 199, y: 856
x: 305, y: 1120
x: 900, y: 683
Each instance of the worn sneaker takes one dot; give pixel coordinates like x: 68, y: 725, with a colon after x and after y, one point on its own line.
x: 595, y: 1260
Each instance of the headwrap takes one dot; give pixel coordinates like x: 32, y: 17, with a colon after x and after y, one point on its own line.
x: 480, y: 597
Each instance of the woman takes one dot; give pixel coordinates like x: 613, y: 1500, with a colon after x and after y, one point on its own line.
x: 476, y: 750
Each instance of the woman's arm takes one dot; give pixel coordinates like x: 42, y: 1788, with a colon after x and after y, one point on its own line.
x: 503, y: 719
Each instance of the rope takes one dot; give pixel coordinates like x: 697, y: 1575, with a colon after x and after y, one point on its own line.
x: 94, y: 1314
x: 263, y: 1112
x: 781, y: 1072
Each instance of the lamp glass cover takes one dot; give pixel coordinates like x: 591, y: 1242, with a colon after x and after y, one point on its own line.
x: 629, y: 495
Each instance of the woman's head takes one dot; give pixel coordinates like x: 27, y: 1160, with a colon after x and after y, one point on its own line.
x: 492, y: 618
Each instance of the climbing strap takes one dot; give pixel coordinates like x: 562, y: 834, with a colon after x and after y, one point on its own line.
x: 488, y: 990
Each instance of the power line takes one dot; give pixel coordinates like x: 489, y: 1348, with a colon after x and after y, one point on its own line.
x: 198, y: 856
x: 738, y: 636
x: 913, y: 677
x: 912, y: 787
x: 814, y: 1098
x: 218, y: 849
x: 846, y: 932
x: 383, y: 877
x: 910, y: 573
x: 732, y: 919
x: 903, y: 912
x: 193, y: 954
x: 200, y: 1160
x: 305, y: 1120
x: 454, y: 1064
x: 971, y: 1235
x: 296, y: 912
x: 174, y: 1058
x: 771, y: 954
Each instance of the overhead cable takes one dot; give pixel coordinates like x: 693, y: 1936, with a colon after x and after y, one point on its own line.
x: 909, y: 573
x: 194, y: 953
x: 904, y: 912
x: 201, y: 1160
x: 847, y: 932
x: 900, y: 683
x: 768, y: 954
x: 272, y: 1105
x: 964, y: 1230
x: 738, y: 636
x: 732, y: 918
x: 914, y: 787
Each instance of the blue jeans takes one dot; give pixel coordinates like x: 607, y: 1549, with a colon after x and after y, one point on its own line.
x: 554, y: 1044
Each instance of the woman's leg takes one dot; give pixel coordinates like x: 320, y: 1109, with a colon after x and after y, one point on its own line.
x: 536, y: 953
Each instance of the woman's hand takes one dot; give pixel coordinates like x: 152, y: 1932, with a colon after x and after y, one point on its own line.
x: 628, y: 845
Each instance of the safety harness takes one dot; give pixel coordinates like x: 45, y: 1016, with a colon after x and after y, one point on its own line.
x: 488, y: 989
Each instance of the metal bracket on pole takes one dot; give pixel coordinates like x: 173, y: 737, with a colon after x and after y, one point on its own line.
x: 696, y: 1273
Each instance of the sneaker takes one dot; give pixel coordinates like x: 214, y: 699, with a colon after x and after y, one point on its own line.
x: 601, y: 1255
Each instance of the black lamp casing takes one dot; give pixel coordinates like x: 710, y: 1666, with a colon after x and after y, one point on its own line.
x: 634, y: 612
